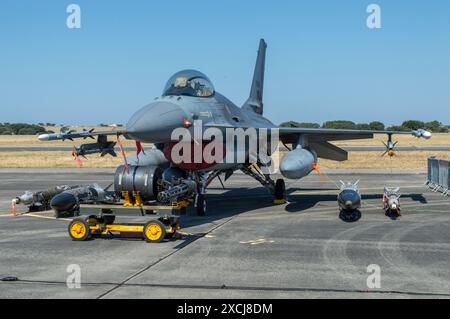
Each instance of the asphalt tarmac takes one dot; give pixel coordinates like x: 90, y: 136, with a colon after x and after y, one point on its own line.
x: 246, y: 247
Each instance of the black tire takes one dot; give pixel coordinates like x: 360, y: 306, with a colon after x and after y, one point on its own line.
x: 80, y: 224
x: 154, y: 231
x: 200, y: 205
x: 64, y: 214
x: 280, y: 189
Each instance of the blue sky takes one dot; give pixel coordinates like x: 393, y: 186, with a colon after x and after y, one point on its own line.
x: 323, y: 63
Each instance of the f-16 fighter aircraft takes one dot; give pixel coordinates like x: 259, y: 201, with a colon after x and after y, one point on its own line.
x: 189, y: 98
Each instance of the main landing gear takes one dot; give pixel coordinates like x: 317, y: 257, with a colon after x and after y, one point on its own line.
x: 278, y: 188
x: 280, y: 192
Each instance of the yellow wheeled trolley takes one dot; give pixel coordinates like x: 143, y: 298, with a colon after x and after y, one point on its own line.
x: 162, y: 225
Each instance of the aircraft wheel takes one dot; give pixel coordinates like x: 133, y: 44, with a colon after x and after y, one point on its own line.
x: 154, y: 232
x: 280, y: 189
x: 200, y: 204
x: 79, y: 230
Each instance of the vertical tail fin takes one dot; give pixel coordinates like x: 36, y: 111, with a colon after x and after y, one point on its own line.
x: 255, y: 101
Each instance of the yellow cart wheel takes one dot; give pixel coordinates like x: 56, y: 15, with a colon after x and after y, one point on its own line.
x: 154, y: 231
x: 79, y: 230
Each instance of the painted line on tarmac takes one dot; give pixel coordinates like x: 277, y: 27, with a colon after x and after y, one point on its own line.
x: 56, y: 180
x: 45, y: 217
x: 242, y: 288
x: 181, y: 247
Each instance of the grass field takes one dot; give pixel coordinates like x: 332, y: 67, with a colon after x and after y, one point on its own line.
x: 32, y: 140
x: 53, y: 159
x: 403, y: 140
x: 357, y: 160
x: 363, y: 160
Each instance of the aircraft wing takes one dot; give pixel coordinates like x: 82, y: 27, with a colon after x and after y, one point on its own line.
x: 318, y: 139
x: 290, y: 135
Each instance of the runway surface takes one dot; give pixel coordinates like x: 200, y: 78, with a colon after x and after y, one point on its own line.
x: 245, y: 247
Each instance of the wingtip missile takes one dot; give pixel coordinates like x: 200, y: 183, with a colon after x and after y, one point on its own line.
x: 44, y: 137
x: 71, y: 135
x: 421, y: 133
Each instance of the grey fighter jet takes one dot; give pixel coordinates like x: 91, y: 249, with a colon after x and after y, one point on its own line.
x: 189, y: 97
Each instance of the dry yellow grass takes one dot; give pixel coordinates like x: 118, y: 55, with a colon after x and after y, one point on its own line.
x: 438, y: 139
x: 53, y: 159
x: 32, y: 141
x: 357, y: 160
x: 362, y: 160
x: 403, y: 140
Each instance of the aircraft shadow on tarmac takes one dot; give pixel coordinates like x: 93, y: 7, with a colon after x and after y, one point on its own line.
x: 232, y: 202
x: 235, y: 201
x: 240, y: 200
x: 299, y: 203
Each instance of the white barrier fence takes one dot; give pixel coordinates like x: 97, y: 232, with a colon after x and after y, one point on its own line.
x: 439, y: 175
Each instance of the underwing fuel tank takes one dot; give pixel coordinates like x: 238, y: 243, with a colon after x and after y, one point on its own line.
x: 298, y: 163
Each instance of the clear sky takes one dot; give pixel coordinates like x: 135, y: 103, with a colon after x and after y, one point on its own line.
x: 323, y: 63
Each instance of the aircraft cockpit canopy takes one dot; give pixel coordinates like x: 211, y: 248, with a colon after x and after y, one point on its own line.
x: 189, y: 83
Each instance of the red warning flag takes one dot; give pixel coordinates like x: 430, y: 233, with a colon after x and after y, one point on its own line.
x: 14, y: 208
x: 122, y: 150
x: 79, y: 161
x: 316, y: 168
x: 139, y: 148
x: 323, y: 177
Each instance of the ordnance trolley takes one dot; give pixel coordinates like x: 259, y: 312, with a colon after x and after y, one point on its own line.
x: 163, y: 222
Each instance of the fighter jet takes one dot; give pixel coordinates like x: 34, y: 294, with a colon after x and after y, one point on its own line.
x: 190, y: 97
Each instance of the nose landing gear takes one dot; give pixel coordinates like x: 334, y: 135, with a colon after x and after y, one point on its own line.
x: 200, y: 204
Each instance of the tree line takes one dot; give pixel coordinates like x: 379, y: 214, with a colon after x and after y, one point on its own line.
x: 433, y: 126
x: 21, y: 129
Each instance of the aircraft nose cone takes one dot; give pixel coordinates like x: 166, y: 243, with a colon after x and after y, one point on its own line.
x: 155, y: 122
x: 63, y: 202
